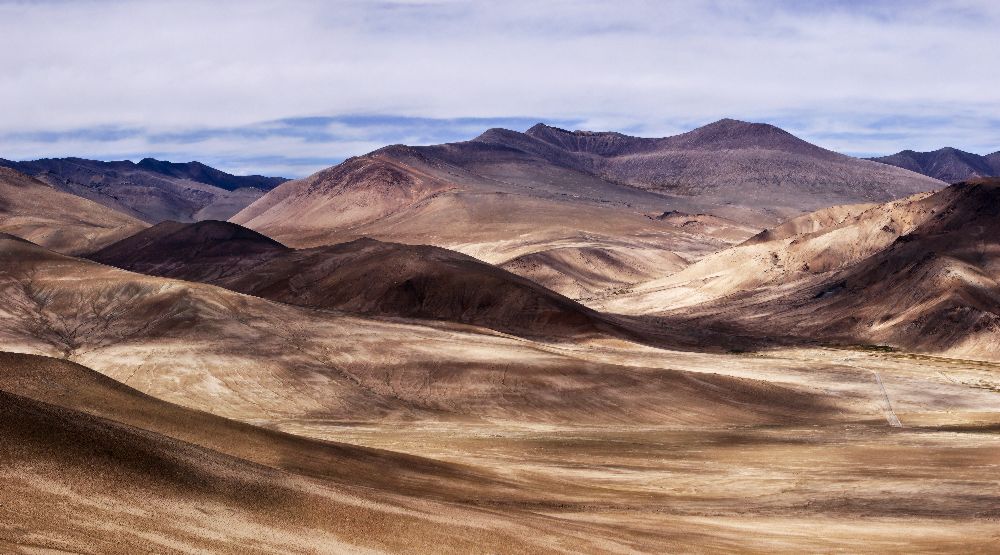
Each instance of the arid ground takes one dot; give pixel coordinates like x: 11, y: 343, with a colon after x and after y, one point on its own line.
x: 516, y: 344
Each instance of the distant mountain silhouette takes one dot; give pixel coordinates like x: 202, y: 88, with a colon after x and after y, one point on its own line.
x: 947, y: 164
x: 196, y: 171
x: 152, y: 190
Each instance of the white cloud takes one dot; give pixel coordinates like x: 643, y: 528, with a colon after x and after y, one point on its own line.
x: 651, y: 67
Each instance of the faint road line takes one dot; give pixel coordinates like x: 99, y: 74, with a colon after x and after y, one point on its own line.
x: 949, y: 378
x: 890, y: 414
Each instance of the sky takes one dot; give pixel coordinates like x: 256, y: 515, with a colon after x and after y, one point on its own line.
x: 290, y: 87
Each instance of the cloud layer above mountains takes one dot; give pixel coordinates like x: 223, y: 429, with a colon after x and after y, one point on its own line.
x: 290, y: 87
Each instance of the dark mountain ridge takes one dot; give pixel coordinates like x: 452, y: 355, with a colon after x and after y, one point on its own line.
x: 151, y: 190
x: 947, y: 164
x: 196, y: 171
x: 363, y: 276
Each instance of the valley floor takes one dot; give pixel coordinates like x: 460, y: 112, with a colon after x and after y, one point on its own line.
x: 843, y: 481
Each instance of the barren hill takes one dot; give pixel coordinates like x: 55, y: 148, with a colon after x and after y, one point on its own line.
x: 918, y: 273
x: 362, y: 276
x: 37, y: 212
x: 947, y: 164
x: 152, y: 190
x: 751, y: 164
x: 935, y: 289
x: 252, y: 359
x: 203, y: 251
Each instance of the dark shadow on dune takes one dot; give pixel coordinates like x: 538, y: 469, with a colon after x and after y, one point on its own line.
x: 34, y: 432
x: 48, y: 380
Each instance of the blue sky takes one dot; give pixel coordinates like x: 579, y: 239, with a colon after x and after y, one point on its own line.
x: 287, y: 88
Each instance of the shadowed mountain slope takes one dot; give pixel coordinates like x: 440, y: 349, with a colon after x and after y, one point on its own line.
x: 363, y: 276
x: 797, y: 250
x: 934, y: 289
x: 204, y: 251
x: 947, y: 164
x: 921, y: 274
x: 37, y: 212
x: 152, y: 190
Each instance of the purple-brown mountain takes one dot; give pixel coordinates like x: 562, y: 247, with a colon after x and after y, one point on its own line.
x: 731, y: 158
x: 152, y: 190
x: 947, y: 164
x: 451, y: 194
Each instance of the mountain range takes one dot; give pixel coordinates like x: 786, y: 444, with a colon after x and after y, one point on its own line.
x: 947, y: 164
x: 570, y: 199
x: 385, y: 193
x: 151, y: 190
x: 552, y: 341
